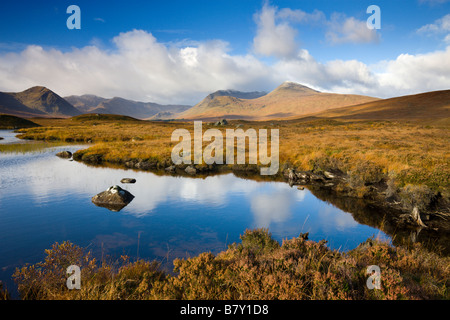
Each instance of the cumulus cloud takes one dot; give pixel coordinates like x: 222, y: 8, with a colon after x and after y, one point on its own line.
x: 275, y: 35
x: 272, y: 38
x: 139, y: 67
x: 440, y: 25
x: 342, y: 29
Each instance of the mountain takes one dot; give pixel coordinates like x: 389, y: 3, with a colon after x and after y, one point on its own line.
x: 135, y: 109
x: 423, y: 106
x: 288, y: 100
x: 36, y: 102
x: 85, y: 102
x: 46, y: 101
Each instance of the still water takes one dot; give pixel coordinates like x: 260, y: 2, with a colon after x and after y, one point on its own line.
x: 45, y: 199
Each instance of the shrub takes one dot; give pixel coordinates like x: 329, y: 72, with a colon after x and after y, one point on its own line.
x: 257, y: 268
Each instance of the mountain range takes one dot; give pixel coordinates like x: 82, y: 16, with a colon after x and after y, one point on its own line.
x: 116, y: 105
x: 288, y: 101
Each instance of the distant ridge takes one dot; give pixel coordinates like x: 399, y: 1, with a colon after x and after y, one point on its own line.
x: 290, y: 99
x: 117, y: 105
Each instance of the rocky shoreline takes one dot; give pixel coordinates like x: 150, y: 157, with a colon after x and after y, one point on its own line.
x: 404, y: 213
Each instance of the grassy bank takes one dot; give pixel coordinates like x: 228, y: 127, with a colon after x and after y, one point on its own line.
x: 405, y: 162
x: 256, y: 268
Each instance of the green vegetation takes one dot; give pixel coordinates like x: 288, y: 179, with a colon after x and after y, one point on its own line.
x: 257, y: 268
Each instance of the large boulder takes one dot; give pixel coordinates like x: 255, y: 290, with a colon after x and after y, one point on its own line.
x: 114, y: 198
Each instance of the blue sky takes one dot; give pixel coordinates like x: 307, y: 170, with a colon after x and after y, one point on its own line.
x: 179, y: 51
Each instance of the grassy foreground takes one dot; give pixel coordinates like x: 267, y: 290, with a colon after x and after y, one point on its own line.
x: 256, y: 268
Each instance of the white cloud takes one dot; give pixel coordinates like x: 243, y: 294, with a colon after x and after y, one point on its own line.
x: 440, y: 25
x: 275, y: 36
x: 272, y: 38
x: 350, y: 30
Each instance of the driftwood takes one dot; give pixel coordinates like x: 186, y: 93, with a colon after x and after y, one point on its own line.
x: 415, y: 215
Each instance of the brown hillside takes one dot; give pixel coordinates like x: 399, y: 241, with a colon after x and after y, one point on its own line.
x: 428, y: 105
x: 288, y: 100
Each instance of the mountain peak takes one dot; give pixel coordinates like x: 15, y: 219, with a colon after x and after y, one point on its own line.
x: 294, y: 86
x: 37, y: 89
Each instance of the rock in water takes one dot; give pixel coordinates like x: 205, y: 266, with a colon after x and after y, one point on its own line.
x: 114, y: 198
x: 128, y: 180
x: 64, y: 154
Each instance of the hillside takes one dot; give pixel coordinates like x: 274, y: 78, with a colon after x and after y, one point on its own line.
x: 36, y: 102
x: 117, y: 105
x: 288, y: 100
x: 12, y: 122
x: 423, y: 106
x: 11, y: 105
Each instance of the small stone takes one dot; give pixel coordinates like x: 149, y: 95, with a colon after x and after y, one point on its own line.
x: 64, y: 154
x: 190, y: 170
x: 128, y: 180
